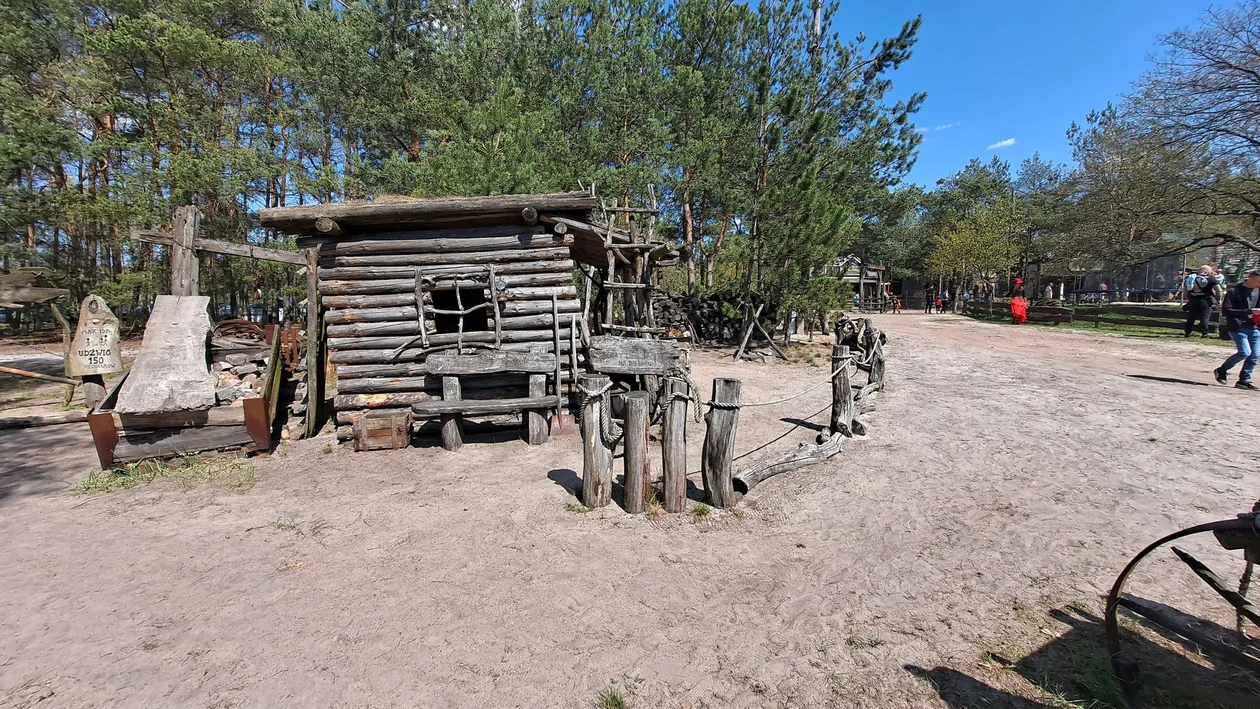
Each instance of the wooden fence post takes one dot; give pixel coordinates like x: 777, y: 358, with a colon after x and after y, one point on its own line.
x: 453, y: 424
x: 185, y: 270
x: 877, y: 366
x: 596, y: 456
x: 841, y: 392
x: 536, y: 419
x: 719, y: 443
x: 674, y: 445
x: 635, y: 479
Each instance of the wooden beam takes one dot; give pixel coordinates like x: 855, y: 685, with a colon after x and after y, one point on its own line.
x: 17, y: 296
x: 490, y: 362
x: 36, y: 375
x: 302, y: 219
x: 314, y: 341
x: 223, y: 247
x: 475, y: 407
x: 327, y: 227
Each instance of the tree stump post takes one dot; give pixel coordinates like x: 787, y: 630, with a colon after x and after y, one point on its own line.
x: 719, y: 443
x: 453, y: 424
x: 674, y: 445
x: 841, y: 392
x: 537, y: 418
x: 596, y: 456
x: 635, y: 479
x: 877, y: 367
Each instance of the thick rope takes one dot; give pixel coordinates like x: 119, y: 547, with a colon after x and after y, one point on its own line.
x: 605, y: 420
x: 772, y: 402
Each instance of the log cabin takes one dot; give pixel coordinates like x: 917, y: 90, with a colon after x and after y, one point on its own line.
x: 447, y: 310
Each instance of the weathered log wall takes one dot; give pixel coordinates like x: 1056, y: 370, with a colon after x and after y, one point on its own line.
x: 386, y: 313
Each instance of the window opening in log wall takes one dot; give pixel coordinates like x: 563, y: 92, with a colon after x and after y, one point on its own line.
x: 476, y: 321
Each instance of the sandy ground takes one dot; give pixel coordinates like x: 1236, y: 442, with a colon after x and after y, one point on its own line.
x: 1008, y: 474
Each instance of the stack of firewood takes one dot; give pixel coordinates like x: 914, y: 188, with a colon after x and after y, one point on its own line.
x: 714, y: 318
x: 240, y: 376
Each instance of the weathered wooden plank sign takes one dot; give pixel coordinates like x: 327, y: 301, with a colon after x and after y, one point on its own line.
x: 95, y: 347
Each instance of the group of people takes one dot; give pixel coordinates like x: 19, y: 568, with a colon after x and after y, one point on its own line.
x: 942, y: 302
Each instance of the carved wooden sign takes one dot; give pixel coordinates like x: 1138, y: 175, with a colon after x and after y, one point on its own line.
x: 95, y: 348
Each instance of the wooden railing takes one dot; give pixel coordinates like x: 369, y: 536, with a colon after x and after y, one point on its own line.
x: 1169, y: 317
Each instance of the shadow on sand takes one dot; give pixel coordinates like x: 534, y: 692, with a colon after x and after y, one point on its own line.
x: 1074, y: 670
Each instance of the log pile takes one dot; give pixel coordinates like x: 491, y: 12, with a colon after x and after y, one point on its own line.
x: 716, y: 318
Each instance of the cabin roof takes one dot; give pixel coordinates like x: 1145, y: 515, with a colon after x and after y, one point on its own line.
x: 399, y: 211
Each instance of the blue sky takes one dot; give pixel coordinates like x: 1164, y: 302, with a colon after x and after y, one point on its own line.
x: 996, y: 70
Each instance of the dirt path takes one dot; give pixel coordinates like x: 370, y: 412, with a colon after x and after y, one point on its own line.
x: 1009, y: 472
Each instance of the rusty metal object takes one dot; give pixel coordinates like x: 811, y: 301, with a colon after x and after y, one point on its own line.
x: 242, y: 329
x: 1241, y: 533
x: 291, y: 346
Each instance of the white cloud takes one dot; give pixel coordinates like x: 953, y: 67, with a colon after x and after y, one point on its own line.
x: 920, y: 129
x: 947, y: 126
x: 1002, y: 144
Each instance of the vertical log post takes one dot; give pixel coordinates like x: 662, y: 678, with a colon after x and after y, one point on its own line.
x: 453, y: 424
x: 596, y: 456
x: 536, y: 419
x: 314, y: 340
x: 635, y: 479
x: 841, y: 392
x: 674, y: 445
x: 719, y: 443
x: 877, y: 366
x: 184, y: 267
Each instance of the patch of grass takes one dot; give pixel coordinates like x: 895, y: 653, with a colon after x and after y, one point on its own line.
x: 611, y: 698
x: 859, y: 641
x: 188, y: 470
x: 575, y: 508
x: 701, y: 511
x: 326, y: 449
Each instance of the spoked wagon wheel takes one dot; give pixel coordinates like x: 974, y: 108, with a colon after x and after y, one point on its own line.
x: 1240, y: 534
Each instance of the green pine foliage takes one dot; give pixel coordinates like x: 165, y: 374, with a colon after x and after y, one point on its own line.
x: 773, y: 147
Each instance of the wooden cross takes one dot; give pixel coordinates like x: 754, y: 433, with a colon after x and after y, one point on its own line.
x: 184, y: 242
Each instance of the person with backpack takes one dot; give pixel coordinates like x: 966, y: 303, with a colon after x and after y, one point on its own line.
x: 1242, y: 317
x: 1201, y: 293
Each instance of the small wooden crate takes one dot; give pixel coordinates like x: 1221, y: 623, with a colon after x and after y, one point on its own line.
x: 379, y: 430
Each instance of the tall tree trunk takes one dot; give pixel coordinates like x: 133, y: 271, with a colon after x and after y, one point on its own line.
x: 689, y: 237
x: 711, y: 261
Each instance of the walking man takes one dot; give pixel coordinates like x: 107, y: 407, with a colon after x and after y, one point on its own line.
x: 1201, y: 292
x: 1242, y: 317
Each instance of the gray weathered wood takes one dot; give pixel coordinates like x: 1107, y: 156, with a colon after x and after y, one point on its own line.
x: 165, y: 443
x: 293, y: 219
x: 170, y: 372
x: 484, y: 406
x: 529, y: 215
x: 719, y: 443
x: 417, y: 354
x: 841, y: 392
x: 43, y: 420
x: 490, y: 362
x: 184, y: 266
x: 45, y: 377
x: 407, y: 326
x: 314, y: 343
x: 550, y: 274
x: 623, y: 355
x: 535, y: 307
x: 452, y: 423
x: 384, y: 300
x: 538, y: 293
x: 430, y: 383
x: 635, y: 479
x: 223, y: 247
x: 536, y: 419
x: 525, y: 239
x: 384, y: 400
x: 327, y: 227
x: 877, y: 367
x: 379, y: 342
x: 596, y: 455
x: 806, y: 454
x: 674, y: 444
x: 401, y: 265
